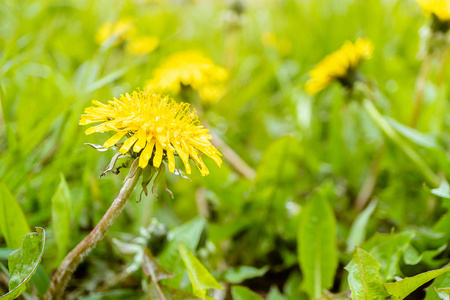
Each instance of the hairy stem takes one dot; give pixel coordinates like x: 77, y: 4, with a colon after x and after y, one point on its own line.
x: 76, y: 256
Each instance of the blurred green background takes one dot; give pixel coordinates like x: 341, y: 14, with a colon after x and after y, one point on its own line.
x: 51, y: 67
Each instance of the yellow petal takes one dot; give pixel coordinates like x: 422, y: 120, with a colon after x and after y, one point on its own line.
x: 114, y: 139
x: 128, y: 143
x: 184, y: 157
x: 158, y: 155
x: 146, y: 154
x: 141, y: 141
x: 171, y: 159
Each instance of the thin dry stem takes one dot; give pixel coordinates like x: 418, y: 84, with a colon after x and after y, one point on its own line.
x: 76, y: 256
x: 232, y: 157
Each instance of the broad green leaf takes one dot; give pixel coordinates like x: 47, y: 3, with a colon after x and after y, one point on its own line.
x: 403, y: 288
x: 61, y: 218
x: 168, y: 292
x: 421, y: 139
x: 317, y: 245
x: 201, y: 279
x: 443, y: 293
x: 443, y: 190
x: 13, y: 224
x: 278, y: 166
x: 275, y: 294
x: 41, y: 280
x: 359, y: 227
x: 244, y: 293
x: 412, y: 256
x: 241, y: 273
x: 440, y: 282
x: 387, y: 249
x: 24, y: 261
x: 276, y: 179
x: 364, y: 277
x: 189, y: 233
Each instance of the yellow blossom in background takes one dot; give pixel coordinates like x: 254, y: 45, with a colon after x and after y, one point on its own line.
x: 155, y: 128
x: 440, y: 8
x: 190, y: 68
x: 339, y: 64
x: 149, y: 1
x: 121, y: 29
x: 283, y: 45
x: 141, y: 45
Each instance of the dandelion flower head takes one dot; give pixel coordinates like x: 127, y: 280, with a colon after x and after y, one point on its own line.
x: 190, y: 68
x: 339, y: 65
x: 156, y: 128
x: 141, y: 45
x: 120, y: 29
x: 440, y: 8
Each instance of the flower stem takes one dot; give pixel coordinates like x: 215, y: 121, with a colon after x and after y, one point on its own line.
x: 232, y: 157
x: 432, y: 179
x: 76, y: 256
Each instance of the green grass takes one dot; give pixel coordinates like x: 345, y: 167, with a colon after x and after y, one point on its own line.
x: 51, y: 68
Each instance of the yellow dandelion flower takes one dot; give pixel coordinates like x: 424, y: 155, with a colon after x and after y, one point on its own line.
x: 156, y: 128
x: 283, y: 45
x: 189, y: 68
x: 339, y: 65
x: 440, y: 8
x: 121, y: 30
x: 141, y: 45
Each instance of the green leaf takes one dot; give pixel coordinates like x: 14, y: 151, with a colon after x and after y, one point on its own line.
x: 317, y: 245
x: 199, y: 276
x: 364, y: 277
x: 419, y: 138
x: 241, y: 273
x: 443, y: 190
x: 41, y: 280
x: 13, y: 223
x: 403, y: 288
x: 275, y: 294
x: 201, y: 279
x: 439, y: 283
x: 243, y: 293
x: 61, y: 218
x: 24, y: 261
x: 359, y: 227
x: 168, y: 292
x: 189, y: 234
x: 443, y: 293
x: 276, y: 180
x: 387, y: 250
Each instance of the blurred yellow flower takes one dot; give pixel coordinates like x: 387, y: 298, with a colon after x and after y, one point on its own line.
x: 283, y: 45
x: 120, y: 30
x: 340, y: 65
x: 190, y: 68
x: 156, y: 129
x: 440, y: 8
x: 141, y: 45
